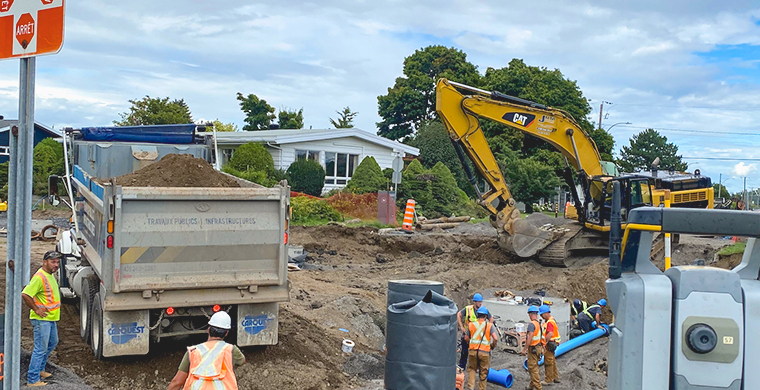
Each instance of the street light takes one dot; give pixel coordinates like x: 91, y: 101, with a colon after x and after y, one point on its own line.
x: 619, y: 123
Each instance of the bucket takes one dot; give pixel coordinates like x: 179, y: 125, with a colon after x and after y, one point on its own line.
x: 348, y: 346
x: 519, y: 327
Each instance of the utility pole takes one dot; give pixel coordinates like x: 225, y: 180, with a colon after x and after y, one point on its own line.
x: 746, y: 201
x: 601, y: 109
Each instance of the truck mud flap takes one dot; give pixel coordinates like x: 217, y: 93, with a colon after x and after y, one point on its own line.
x: 257, y: 324
x: 126, y: 333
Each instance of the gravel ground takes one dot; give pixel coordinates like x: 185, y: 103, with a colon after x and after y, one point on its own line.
x: 62, y: 379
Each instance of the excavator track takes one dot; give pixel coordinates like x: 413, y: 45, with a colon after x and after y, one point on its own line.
x: 555, y: 254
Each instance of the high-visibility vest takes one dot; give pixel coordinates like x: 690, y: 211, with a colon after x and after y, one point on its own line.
x: 52, y: 305
x: 556, y: 337
x: 586, y: 311
x: 480, y: 335
x: 470, y: 315
x: 537, y: 337
x: 211, y: 367
x: 584, y: 304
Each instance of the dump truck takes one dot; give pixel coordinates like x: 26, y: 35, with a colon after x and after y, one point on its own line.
x: 149, y: 263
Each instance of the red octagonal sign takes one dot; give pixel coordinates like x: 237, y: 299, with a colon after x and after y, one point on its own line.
x: 25, y: 30
x: 5, y: 5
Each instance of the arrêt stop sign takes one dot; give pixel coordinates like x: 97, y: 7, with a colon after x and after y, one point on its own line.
x: 25, y: 30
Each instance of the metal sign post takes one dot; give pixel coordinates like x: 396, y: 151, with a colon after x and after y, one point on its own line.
x: 28, y: 28
x: 19, y: 223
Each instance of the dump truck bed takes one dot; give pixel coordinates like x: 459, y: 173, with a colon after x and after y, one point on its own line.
x: 168, y: 239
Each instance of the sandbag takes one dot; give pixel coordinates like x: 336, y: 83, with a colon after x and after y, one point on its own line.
x: 421, y: 340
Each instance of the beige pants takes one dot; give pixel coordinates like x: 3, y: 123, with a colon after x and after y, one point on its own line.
x: 534, y: 355
x: 550, y: 367
x: 478, y: 361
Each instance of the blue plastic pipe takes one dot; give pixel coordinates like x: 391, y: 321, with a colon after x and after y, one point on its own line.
x: 575, y: 343
x: 500, y: 377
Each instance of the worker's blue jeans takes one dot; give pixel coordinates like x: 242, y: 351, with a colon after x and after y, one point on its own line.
x: 463, y: 354
x: 45, y: 340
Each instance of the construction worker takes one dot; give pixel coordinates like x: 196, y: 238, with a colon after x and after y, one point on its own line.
x: 591, y: 314
x: 481, y: 337
x: 533, y: 348
x: 464, y: 317
x: 577, y: 307
x: 552, y: 338
x: 208, y: 366
x: 44, y: 298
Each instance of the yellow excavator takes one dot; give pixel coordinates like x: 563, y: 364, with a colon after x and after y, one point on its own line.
x: 461, y: 107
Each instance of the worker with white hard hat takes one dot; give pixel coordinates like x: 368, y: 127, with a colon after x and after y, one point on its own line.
x: 210, y: 365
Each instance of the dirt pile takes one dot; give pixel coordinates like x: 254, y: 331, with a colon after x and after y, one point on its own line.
x: 177, y: 170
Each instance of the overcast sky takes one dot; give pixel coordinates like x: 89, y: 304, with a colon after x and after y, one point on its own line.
x: 686, y: 68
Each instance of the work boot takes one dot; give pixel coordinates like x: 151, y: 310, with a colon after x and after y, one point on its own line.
x: 556, y: 381
x: 36, y: 384
x: 45, y: 374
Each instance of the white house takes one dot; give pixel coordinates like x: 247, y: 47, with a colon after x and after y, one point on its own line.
x: 338, y: 150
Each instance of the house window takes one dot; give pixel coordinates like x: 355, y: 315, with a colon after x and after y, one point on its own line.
x: 4, y: 151
x: 307, y: 155
x: 339, y: 167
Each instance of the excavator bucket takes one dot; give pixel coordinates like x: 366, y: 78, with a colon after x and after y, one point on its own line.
x: 528, y: 239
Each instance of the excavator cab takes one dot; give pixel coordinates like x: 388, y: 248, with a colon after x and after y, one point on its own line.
x: 636, y: 192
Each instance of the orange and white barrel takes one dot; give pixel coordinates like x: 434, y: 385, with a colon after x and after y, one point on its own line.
x: 408, y: 216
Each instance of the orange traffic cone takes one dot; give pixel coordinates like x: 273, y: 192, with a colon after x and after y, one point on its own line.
x: 408, y: 216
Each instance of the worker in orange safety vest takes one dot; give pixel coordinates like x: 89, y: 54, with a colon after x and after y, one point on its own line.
x: 552, y: 338
x: 464, y: 317
x: 481, y: 336
x: 534, y: 348
x: 208, y: 366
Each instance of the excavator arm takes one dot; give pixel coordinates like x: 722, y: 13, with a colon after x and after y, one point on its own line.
x: 460, y: 106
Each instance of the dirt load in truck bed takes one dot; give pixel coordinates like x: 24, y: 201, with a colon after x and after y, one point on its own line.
x: 177, y: 170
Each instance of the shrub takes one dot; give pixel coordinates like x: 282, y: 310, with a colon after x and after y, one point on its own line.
x: 435, y: 191
x: 258, y: 177
x: 444, y: 190
x: 307, y: 176
x: 252, y: 157
x: 414, y: 185
x: 368, y: 177
x: 307, y: 209
x: 279, y: 175
x: 362, y: 206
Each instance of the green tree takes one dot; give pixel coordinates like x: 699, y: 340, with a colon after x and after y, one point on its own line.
x: 435, y: 146
x: 345, y: 119
x: 290, y: 119
x: 252, y: 157
x: 307, y: 176
x: 155, y: 111
x: 258, y: 114
x: 645, y: 147
x: 226, y: 127
x: 368, y: 177
x: 411, y: 100
x: 47, y: 160
x: 530, y: 180
x: 447, y: 197
x: 721, y: 191
x: 547, y: 87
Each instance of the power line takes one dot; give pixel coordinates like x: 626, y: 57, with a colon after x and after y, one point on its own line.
x: 729, y: 108
x: 722, y: 158
x: 690, y: 130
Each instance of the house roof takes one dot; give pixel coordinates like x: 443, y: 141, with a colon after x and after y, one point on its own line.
x: 287, y: 136
x: 6, y: 124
